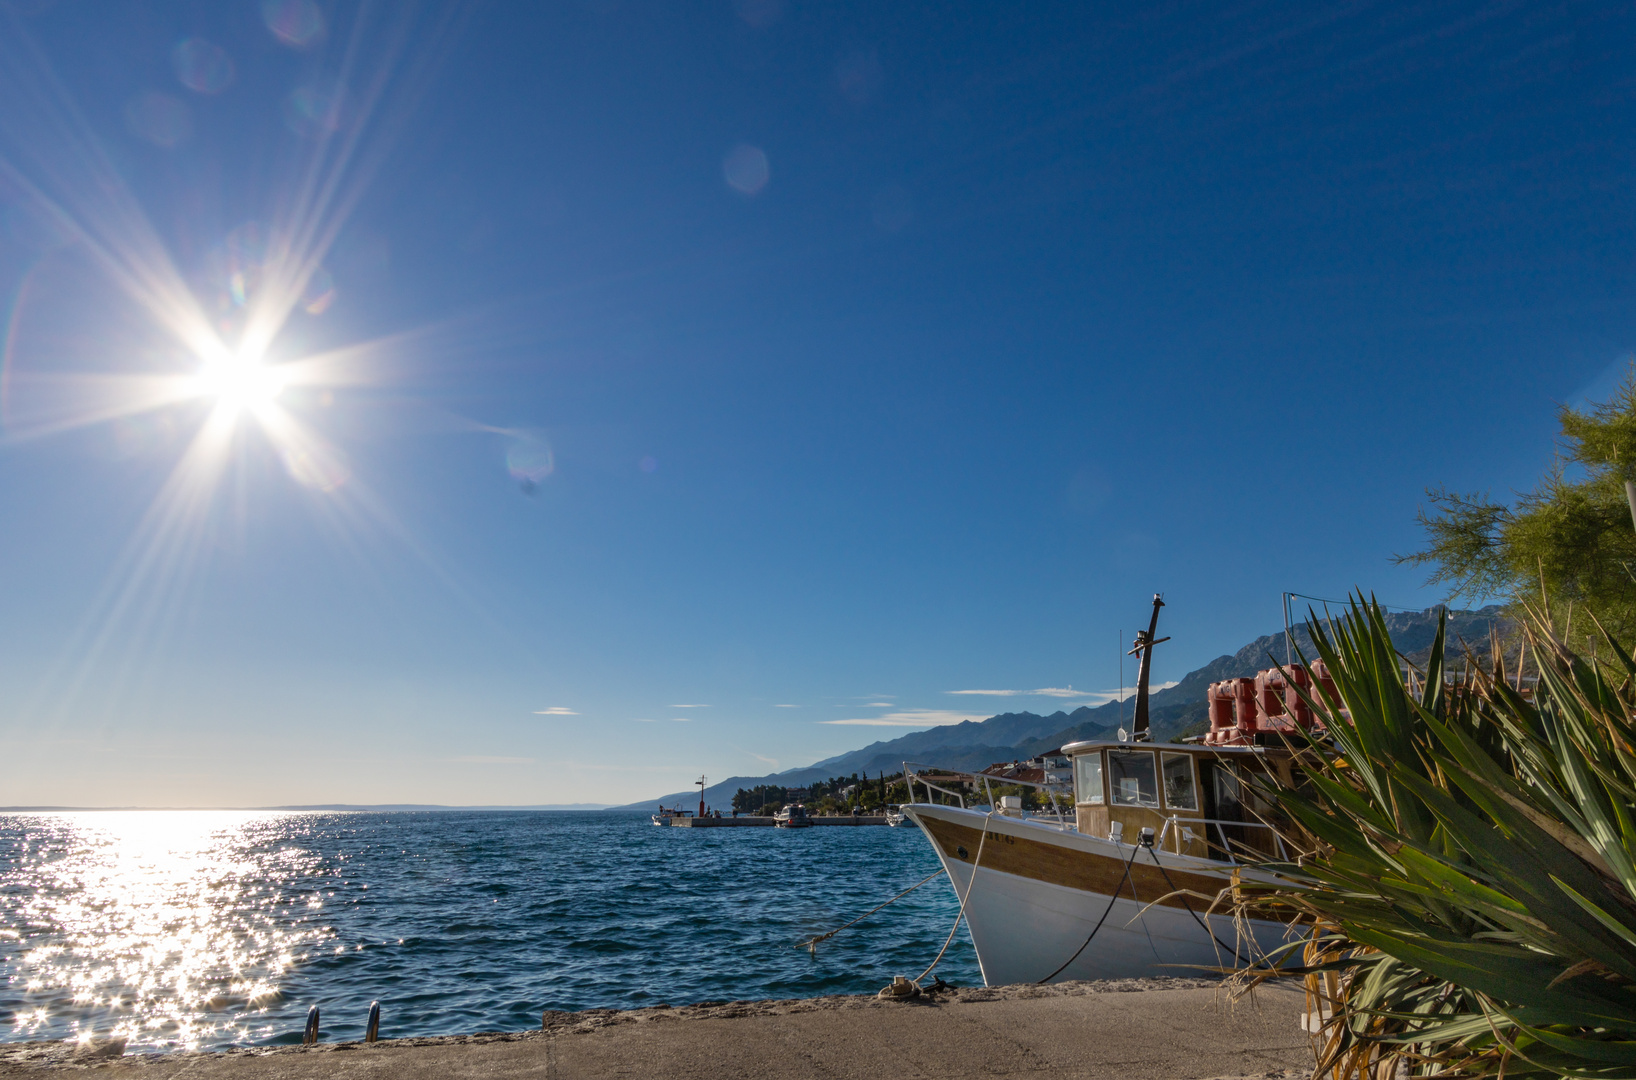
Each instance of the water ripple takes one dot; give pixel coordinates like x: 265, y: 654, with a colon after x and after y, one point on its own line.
x: 210, y: 929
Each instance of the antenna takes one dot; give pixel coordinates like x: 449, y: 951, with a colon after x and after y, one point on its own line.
x: 699, y: 783
x: 1120, y: 696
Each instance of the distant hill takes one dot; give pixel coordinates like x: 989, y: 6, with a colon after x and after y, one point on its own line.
x: 976, y: 744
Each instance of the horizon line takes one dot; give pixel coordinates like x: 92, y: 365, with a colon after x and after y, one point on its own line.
x: 313, y: 807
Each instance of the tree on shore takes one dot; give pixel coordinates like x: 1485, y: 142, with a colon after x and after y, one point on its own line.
x: 1572, y: 538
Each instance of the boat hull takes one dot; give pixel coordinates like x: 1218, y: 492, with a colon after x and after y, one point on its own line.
x: 1041, y: 892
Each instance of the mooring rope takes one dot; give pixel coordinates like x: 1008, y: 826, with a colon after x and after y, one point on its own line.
x: 975, y: 862
x: 1202, y: 925
x: 811, y: 944
x: 1105, y: 913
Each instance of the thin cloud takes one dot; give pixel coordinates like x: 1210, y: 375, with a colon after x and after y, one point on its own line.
x: 1100, y: 697
x: 644, y: 720
x: 681, y: 719
x: 690, y: 706
x: 910, y: 718
x: 482, y: 759
x: 881, y: 705
x: 556, y: 710
x: 624, y: 767
x: 786, y: 706
x: 1130, y: 691
x: 764, y: 759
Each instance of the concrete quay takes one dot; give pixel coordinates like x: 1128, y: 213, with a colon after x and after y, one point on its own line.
x: 1137, y: 1029
x: 746, y: 820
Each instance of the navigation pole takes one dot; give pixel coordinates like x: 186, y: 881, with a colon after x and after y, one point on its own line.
x: 1143, y: 651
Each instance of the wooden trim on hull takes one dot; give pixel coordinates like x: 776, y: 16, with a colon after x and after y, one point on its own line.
x: 1058, y: 864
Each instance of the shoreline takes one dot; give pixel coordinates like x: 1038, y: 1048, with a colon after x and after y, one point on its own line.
x: 1129, y: 1028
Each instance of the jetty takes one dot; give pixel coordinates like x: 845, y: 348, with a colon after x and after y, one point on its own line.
x: 704, y: 818
x: 1129, y: 1029
x: 748, y: 821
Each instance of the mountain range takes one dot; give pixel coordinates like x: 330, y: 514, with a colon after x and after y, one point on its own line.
x: 1174, y: 710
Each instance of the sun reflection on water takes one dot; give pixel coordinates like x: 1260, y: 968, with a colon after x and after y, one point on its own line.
x: 171, y: 928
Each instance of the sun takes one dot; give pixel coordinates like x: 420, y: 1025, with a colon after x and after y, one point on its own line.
x: 239, y: 382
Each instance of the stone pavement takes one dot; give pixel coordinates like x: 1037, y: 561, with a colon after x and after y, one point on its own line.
x: 1132, y: 1030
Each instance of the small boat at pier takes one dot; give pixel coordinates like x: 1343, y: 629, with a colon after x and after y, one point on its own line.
x: 792, y: 816
x: 666, y: 815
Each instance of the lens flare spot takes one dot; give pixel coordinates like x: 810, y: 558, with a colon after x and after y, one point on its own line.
x: 529, y: 460
x: 315, y: 468
x: 746, y: 169
x: 314, y: 111
x: 648, y: 464
x: 236, y: 265
x: 759, y: 13
x: 319, y: 293
x: 159, y: 119
x: 201, y: 66
x: 297, y: 23
x: 858, y: 76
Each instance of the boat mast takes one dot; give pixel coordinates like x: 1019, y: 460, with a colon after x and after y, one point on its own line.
x: 1144, y: 654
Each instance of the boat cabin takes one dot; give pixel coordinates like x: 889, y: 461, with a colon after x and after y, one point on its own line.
x: 1198, y: 800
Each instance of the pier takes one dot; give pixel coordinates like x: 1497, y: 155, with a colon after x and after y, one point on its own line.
x: 748, y: 821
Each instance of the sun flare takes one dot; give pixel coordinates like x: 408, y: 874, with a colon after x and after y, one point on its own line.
x: 239, y: 382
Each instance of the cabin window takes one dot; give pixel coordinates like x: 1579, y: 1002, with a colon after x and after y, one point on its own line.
x: 1181, y: 793
x: 1132, y: 778
x: 1088, y: 778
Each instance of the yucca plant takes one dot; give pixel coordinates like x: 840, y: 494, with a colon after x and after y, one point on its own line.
x: 1468, y: 887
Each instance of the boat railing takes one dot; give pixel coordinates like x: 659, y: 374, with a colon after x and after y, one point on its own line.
x: 1178, y: 829
x: 917, y: 772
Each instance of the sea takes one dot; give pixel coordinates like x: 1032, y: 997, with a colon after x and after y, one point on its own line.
x: 208, y: 929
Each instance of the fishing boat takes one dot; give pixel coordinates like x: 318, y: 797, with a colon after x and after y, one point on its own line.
x: 666, y: 815
x: 1120, y: 878
x: 896, y: 818
x: 792, y: 816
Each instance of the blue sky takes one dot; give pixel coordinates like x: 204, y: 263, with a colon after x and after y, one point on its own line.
x: 696, y: 375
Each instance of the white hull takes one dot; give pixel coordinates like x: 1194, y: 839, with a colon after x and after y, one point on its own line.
x: 1025, y: 926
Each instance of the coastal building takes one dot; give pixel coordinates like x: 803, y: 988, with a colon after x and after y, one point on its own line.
x: 1049, y: 768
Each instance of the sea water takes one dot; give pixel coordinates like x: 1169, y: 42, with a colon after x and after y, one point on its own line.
x: 208, y: 929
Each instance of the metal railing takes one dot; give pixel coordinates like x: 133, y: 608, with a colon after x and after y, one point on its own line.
x: 1062, y: 810
x: 913, y: 774
x: 1179, y: 829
